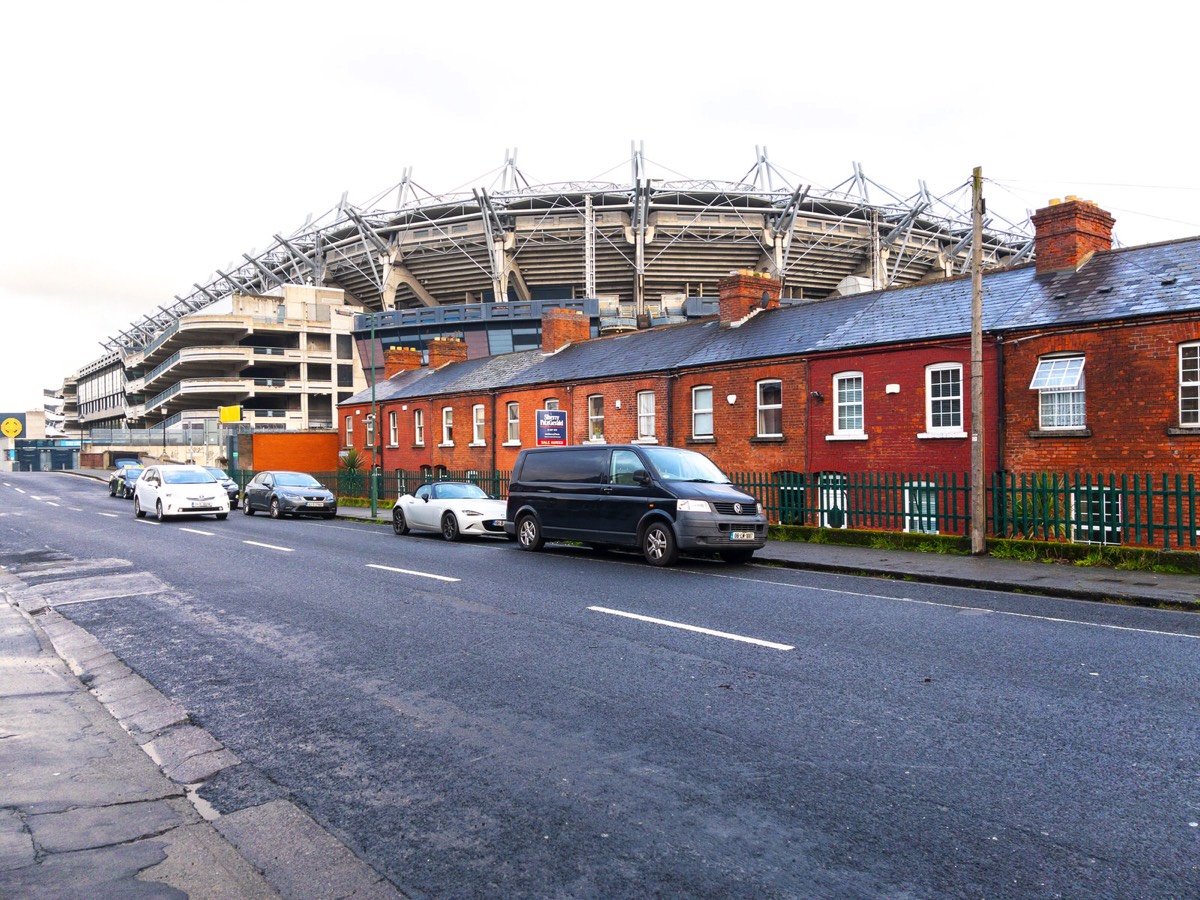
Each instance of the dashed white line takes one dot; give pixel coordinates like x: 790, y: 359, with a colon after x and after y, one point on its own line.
x: 668, y: 623
x: 109, y: 515
x: 146, y: 522
x: 52, y: 503
x: 411, y: 572
x: 74, y: 509
x: 18, y: 490
x: 197, y: 531
x: 271, y: 547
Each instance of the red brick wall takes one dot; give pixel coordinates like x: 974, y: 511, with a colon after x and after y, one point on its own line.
x: 741, y: 293
x: 1131, y: 380
x: 446, y: 350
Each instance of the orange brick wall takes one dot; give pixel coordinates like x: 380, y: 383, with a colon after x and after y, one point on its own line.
x: 298, y: 451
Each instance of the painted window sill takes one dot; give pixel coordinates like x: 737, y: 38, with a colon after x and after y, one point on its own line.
x: 941, y: 435
x: 1041, y: 433
x: 845, y: 437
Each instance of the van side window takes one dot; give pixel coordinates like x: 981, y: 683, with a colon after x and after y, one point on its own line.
x: 576, y: 466
x: 624, y: 464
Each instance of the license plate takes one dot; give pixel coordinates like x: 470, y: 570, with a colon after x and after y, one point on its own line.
x: 741, y: 535
x: 199, y: 504
x: 316, y: 502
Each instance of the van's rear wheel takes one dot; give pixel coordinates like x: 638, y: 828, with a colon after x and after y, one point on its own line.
x: 658, y: 545
x: 529, y: 533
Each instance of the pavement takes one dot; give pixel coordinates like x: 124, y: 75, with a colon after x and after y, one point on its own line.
x: 99, y: 771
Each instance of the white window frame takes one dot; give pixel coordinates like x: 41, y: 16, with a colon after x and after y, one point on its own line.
x: 701, y: 412
x: 1189, y: 385
x: 849, y: 433
x: 369, y: 425
x: 550, y: 403
x: 595, y: 419
x: 349, y: 431
x: 646, y: 418
x: 1062, y: 392
x: 768, y: 407
x: 393, y: 429
x: 513, y: 418
x: 1108, y: 530
x: 419, y: 427
x: 920, y: 507
x: 955, y: 429
x: 447, y: 427
x: 478, y: 421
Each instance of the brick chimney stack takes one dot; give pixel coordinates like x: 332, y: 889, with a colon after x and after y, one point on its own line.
x: 446, y: 350
x: 400, y: 359
x: 564, y: 326
x: 1066, y: 234
x: 742, y: 292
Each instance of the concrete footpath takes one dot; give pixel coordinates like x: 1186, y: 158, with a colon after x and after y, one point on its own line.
x: 98, y: 770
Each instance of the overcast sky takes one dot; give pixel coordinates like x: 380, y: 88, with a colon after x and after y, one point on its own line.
x: 147, y: 144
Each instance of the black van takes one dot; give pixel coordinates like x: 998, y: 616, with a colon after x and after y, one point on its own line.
x: 658, y: 499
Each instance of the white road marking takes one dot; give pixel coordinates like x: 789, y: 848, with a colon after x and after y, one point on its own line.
x: 110, y: 515
x: 74, y: 509
x: 956, y: 606
x: 411, y: 572
x: 721, y: 634
x: 197, y: 531
x: 51, y: 503
x: 271, y: 547
x: 56, y: 605
x: 144, y: 521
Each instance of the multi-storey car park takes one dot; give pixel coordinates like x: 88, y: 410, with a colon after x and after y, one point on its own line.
x: 484, y: 264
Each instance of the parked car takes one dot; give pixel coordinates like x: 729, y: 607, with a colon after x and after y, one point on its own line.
x: 231, y: 486
x: 120, y: 484
x: 179, y: 491
x: 455, y: 508
x: 123, y: 461
x: 659, y: 500
x: 288, y: 493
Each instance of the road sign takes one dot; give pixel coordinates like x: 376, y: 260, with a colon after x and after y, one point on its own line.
x: 12, y: 426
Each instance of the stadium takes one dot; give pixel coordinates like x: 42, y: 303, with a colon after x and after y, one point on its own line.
x: 483, y: 264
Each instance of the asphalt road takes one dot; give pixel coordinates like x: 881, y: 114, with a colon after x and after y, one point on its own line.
x: 477, y: 721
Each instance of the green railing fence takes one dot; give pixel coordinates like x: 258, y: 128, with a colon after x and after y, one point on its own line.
x: 1146, y: 510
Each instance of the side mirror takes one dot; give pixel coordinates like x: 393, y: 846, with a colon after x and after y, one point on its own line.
x: 641, y: 476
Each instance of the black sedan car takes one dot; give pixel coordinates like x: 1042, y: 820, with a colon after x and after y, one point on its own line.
x: 288, y: 493
x: 231, y: 486
x: 120, y: 483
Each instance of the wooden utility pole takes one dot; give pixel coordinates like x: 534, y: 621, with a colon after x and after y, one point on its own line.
x: 978, y: 491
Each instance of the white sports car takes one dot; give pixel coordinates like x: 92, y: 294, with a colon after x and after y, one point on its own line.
x: 454, y: 508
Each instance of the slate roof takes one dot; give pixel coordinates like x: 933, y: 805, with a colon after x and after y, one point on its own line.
x: 1156, y: 279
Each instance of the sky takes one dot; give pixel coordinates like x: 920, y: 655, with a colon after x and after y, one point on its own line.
x: 145, y: 145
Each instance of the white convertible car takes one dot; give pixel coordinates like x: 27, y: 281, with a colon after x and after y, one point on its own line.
x: 454, y: 508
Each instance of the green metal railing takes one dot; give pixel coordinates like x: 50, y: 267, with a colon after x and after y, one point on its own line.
x: 1160, y: 511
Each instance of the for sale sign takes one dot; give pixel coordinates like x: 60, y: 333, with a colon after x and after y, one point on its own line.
x: 551, y: 428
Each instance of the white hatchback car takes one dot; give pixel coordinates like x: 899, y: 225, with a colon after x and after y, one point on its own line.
x: 179, y: 491
x: 454, y: 508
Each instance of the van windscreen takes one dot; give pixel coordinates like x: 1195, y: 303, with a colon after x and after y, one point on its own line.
x: 576, y: 466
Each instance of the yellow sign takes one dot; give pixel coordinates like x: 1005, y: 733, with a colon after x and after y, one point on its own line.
x: 11, y: 427
x: 229, y: 413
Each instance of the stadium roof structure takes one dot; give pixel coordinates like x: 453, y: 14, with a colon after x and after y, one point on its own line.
x: 632, y: 243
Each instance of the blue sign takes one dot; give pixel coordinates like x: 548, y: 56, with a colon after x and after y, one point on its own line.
x: 551, y: 428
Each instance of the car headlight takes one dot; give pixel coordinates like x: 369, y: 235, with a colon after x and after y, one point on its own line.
x: 761, y: 511
x: 472, y: 512
x: 697, y: 506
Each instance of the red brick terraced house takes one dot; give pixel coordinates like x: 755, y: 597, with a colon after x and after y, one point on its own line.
x: 1091, y: 365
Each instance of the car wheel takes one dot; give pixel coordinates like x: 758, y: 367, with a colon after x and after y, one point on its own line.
x: 158, y: 510
x: 450, y: 527
x: 137, y: 508
x: 399, y: 524
x: 658, y: 544
x: 127, y: 493
x: 529, y: 533
x: 247, y: 508
x: 276, y: 512
x: 112, y: 489
x: 737, y: 557
x: 222, y: 516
